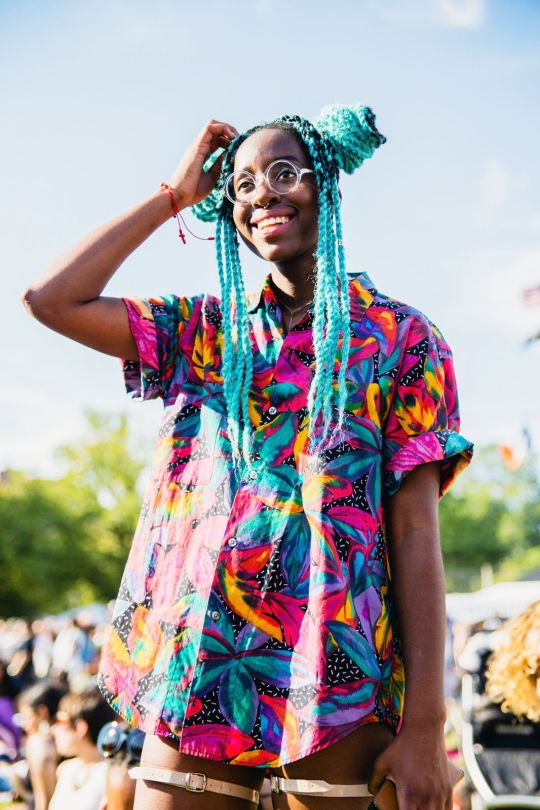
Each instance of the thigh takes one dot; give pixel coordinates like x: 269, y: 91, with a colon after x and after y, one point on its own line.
x: 163, y: 753
x: 348, y: 761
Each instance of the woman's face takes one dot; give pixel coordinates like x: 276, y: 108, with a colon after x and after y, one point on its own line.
x: 28, y: 719
x: 68, y: 735
x: 297, y: 237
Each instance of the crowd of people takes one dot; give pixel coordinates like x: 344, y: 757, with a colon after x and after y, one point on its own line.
x: 60, y: 741
x: 52, y: 715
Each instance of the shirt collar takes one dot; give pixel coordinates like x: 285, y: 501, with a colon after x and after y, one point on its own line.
x: 361, y: 291
x: 265, y: 297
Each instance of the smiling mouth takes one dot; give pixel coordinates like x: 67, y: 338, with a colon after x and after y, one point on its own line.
x: 271, y: 223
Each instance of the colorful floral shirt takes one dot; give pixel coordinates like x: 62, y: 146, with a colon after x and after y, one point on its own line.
x: 255, y: 620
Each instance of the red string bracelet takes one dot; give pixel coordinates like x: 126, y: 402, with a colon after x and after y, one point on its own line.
x: 179, y: 217
x: 168, y: 189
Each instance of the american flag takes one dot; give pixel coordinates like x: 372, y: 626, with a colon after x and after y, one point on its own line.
x: 531, y: 296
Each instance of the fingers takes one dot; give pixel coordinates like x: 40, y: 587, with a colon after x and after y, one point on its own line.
x: 222, y: 127
x: 190, y: 181
x: 218, y: 133
x: 215, y: 134
x: 378, y: 775
x: 215, y: 168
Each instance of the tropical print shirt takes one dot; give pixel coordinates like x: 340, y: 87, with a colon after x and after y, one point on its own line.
x: 255, y: 621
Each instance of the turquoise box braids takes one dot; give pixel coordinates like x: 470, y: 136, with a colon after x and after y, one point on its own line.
x: 341, y: 137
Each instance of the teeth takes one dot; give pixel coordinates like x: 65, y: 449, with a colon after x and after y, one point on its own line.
x: 272, y: 221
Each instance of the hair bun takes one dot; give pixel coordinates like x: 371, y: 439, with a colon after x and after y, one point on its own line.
x: 352, y: 133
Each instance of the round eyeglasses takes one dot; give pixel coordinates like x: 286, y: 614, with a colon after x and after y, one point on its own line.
x: 114, y: 738
x: 281, y: 176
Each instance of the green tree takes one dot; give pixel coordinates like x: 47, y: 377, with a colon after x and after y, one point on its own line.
x: 64, y: 542
x: 491, y: 514
x: 107, y: 466
x: 45, y: 532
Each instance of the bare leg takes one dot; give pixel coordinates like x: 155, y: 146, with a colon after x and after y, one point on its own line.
x: 348, y: 761
x: 162, y: 753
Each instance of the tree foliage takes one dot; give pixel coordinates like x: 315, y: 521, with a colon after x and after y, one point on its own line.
x: 492, y: 514
x: 65, y: 541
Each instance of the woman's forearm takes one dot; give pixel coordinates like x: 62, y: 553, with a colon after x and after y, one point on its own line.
x: 418, y: 586
x: 82, y: 273
x: 418, y: 590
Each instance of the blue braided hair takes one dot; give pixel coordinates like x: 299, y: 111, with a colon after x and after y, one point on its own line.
x: 341, y: 137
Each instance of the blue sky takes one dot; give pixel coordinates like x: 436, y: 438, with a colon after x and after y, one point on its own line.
x: 100, y: 100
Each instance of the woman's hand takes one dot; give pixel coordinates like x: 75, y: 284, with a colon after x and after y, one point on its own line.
x: 416, y: 762
x: 189, y: 183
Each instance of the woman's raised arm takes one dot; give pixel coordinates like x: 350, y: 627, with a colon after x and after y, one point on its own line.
x: 68, y: 297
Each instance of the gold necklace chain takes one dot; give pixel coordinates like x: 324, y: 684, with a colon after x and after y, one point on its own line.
x: 295, y: 309
x: 292, y: 311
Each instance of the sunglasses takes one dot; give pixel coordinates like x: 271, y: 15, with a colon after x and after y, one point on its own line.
x: 62, y: 719
x: 113, y: 739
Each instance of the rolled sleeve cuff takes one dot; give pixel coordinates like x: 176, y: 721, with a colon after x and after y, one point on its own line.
x: 142, y: 377
x: 451, y: 448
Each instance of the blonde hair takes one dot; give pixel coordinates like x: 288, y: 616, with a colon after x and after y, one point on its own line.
x: 513, y: 671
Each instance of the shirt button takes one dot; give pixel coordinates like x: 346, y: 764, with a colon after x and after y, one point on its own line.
x: 252, y: 475
x: 231, y: 542
x: 216, y: 615
x: 272, y: 410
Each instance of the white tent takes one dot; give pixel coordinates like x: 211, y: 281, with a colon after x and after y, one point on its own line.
x: 505, y: 599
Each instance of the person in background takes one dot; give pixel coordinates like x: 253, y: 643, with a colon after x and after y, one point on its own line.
x: 513, y: 671
x: 21, y: 665
x: 43, y: 646
x: 37, y: 708
x: 483, y: 639
x: 121, y: 747
x: 81, y: 778
x: 119, y: 788
x: 73, y: 653
x: 10, y: 733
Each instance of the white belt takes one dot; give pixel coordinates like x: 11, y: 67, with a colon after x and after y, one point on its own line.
x: 194, y: 782
x: 316, y: 787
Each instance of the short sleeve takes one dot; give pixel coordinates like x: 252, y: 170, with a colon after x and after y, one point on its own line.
x: 422, y: 423
x: 164, y: 330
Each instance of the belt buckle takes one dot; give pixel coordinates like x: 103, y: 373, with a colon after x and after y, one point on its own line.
x: 195, y: 782
x: 274, y: 784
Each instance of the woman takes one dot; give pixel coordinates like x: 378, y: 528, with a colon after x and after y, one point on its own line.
x: 37, y: 708
x: 513, y: 669
x: 81, y: 776
x: 305, y: 426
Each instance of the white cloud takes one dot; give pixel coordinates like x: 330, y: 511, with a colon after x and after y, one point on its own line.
x: 462, y: 13
x: 263, y: 7
x: 451, y: 13
x: 499, y: 385
x: 497, y: 276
